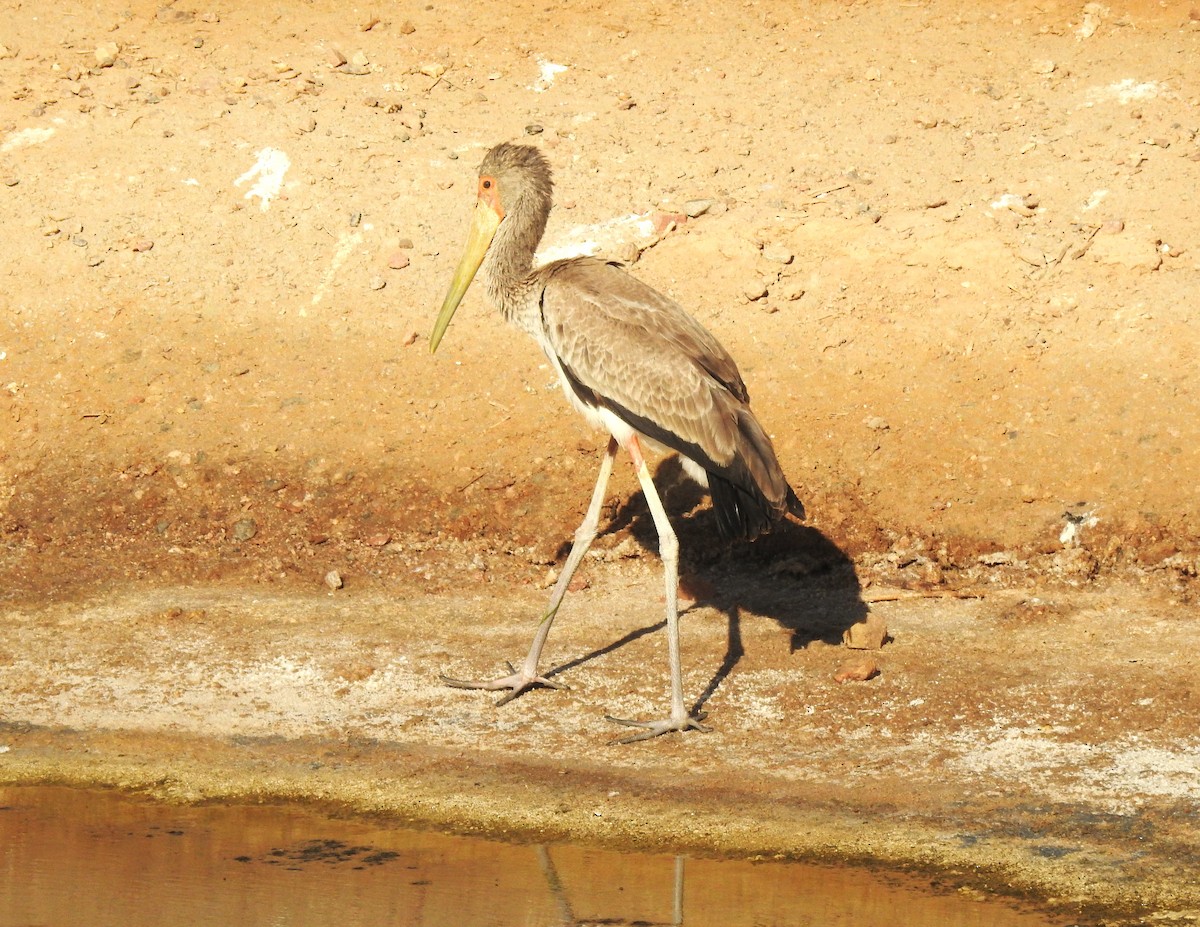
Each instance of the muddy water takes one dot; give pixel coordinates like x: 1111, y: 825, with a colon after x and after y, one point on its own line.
x: 71, y: 857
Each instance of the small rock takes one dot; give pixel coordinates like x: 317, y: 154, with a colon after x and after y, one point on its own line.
x: 875, y: 423
x: 306, y: 125
x: 754, y: 290
x: 927, y: 122
x: 664, y: 222
x: 359, y: 59
x: 1045, y: 66
x: 534, y: 129
x: 859, y: 669
x: 377, y: 282
x: 370, y: 24
x: 778, y: 254
x: 335, y: 57
x: 432, y: 69
x: 1112, y: 226
x: 333, y: 579
x: 7, y: 52
x: 380, y: 539
x: 405, y: 243
x: 790, y: 290
x: 243, y: 530
x: 1130, y: 252
x: 106, y: 54
x: 868, y: 634
x: 996, y: 558
x: 398, y: 260
x: 143, y: 244
x: 11, y: 181
x: 696, y: 208
x: 209, y: 18
x: 407, y: 27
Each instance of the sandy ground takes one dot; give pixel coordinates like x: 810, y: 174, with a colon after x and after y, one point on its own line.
x: 955, y: 252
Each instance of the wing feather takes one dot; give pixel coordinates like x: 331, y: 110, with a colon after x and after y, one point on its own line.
x: 639, y: 352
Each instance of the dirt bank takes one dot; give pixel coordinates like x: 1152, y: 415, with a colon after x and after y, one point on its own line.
x: 954, y: 250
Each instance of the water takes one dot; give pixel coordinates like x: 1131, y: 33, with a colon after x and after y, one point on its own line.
x: 74, y: 857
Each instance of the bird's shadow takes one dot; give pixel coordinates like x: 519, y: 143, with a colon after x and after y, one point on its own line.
x: 795, y: 576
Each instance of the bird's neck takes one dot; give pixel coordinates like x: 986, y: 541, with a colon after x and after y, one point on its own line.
x: 509, y: 271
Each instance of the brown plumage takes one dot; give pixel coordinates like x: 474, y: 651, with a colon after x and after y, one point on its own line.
x: 634, y: 363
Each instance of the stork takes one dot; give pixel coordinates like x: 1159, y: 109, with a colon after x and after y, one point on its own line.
x: 636, y: 365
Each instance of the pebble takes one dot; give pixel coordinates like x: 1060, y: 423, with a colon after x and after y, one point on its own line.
x: 534, y: 129
x: 306, y: 125
x: 106, y: 54
x: 7, y: 52
x: 398, y: 260
x: 333, y: 579
x: 875, y: 423
x: 778, y: 254
x: 693, y: 209
x: 243, y: 530
x: 335, y: 57
x: 860, y: 669
x: 143, y: 244
x: 790, y: 290
x: 407, y: 27
x: 377, y: 282
x: 868, y: 634
x: 432, y: 69
x: 1045, y: 66
x: 370, y: 24
x: 754, y: 290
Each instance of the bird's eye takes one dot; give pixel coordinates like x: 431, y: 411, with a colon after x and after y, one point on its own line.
x: 487, y: 185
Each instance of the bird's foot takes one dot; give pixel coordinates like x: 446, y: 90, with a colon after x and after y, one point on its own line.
x: 518, y: 681
x: 665, y: 726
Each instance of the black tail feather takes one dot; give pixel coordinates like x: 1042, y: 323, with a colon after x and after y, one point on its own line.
x: 744, y: 513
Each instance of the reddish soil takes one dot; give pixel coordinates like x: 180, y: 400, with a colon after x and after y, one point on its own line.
x: 954, y: 249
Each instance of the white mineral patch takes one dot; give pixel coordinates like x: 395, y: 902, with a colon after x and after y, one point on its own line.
x: 269, y: 169
x: 600, y: 238
x: 25, y: 137
x: 548, y: 70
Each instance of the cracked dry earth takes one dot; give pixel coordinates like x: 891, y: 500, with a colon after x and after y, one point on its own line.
x: 954, y: 249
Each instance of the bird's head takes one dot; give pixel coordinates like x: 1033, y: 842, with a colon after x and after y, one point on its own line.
x: 514, y: 180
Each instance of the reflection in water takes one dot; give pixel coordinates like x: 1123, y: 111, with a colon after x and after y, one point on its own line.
x: 73, y: 857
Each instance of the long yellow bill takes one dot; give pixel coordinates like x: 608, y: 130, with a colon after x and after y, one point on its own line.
x: 484, y: 223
